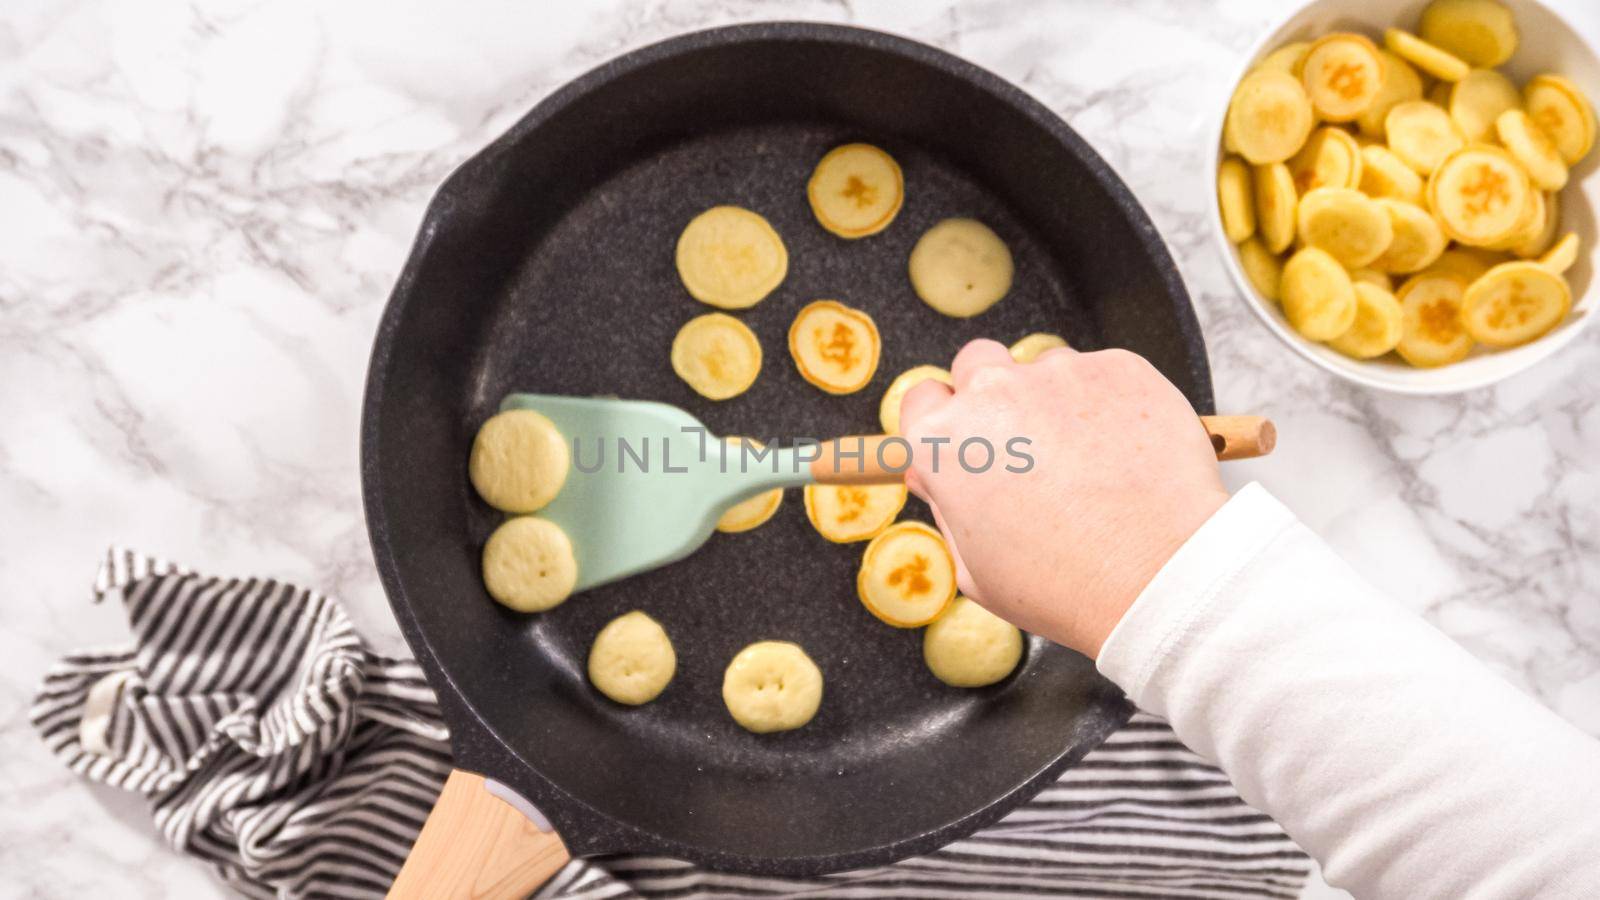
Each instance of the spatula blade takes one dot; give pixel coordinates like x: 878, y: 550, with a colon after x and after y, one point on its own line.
x: 647, y: 482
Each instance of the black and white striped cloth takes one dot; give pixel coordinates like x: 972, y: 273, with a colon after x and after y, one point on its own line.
x: 273, y: 745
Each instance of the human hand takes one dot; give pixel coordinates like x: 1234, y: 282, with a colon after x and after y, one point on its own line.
x: 1123, y: 473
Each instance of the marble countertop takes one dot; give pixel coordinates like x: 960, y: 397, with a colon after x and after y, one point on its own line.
x: 203, y: 208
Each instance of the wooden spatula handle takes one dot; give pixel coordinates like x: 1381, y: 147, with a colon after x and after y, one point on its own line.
x: 476, y: 845
x: 1240, y: 437
x: 880, y: 459
x: 861, y: 459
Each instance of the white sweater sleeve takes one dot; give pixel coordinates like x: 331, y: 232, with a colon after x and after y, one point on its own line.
x: 1385, y: 750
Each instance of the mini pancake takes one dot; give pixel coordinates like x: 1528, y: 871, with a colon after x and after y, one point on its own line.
x: 1514, y: 303
x: 1461, y: 263
x: 754, y: 511
x: 1276, y: 200
x: 834, y: 346
x: 1563, y: 112
x: 970, y: 647
x: 528, y: 564
x: 1377, y: 326
x: 1541, y: 242
x: 1488, y: 258
x: 519, y: 461
x: 1288, y: 58
x: 960, y: 268
x: 1422, y: 134
x: 1269, y: 117
x: 1435, y: 61
x: 846, y: 513
x: 1346, y: 223
x: 1342, y: 74
x: 1330, y: 158
x: 1372, y: 277
x: 1529, y: 225
x: 1480, y: 32
x: 1431, y: 332
x: 1318, y: 298
x: 632, y: 660
x: 1383, y: 174
x: 717, y: 355
x: 1534, y: 149
x: 1262, y: 267
x: 1561, y: 257
x: 1400, y: 83
x: 856, y: 190
x: 907, y: 575
x: 1418, y: 240
x: 772, y: 686
x: 1479, y: 194
x: 1477, y: 100
x: 1027, y: 349
x: 1234, y: 199
x: 730, y: 257
x: 889, y: 406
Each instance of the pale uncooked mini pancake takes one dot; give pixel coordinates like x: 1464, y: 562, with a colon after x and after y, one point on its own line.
x: 731, y: 258
x: 960, y: 267
x: 856, y: 190
x: 772, y: 686
x: 519, y: 461
x: 528, y: 564
x: 631, y: 660
x: 889, y: 406
x: 968, y: 646
x: 748, y: 514
x: 1028, y: 349
x: 717, y: 355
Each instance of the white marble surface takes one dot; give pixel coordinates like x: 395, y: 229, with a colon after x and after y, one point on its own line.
x: 203, y: 206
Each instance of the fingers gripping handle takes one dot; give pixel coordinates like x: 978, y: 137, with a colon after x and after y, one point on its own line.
x: 476, y: 844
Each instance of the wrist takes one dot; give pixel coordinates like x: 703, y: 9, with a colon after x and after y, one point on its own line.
x: 1199, y: 576
x: 1149, y: 540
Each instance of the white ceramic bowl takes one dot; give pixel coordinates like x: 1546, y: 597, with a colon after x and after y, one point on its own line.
x: 1547, y: 44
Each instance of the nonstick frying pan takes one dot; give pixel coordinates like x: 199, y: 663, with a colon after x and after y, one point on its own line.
x: 545, y: 263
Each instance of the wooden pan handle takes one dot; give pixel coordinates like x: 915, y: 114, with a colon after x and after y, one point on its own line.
x: 881, y: 459
x: 476, y: 845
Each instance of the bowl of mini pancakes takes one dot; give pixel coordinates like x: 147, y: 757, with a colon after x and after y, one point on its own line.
x: 1405, y: 192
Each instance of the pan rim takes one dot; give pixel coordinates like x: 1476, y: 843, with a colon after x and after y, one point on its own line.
x: 592, y: 830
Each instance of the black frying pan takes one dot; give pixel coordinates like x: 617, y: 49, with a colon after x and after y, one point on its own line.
x: 545, y: 263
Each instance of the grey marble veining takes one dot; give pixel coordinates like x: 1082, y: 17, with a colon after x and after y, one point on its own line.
x: 202, y: 208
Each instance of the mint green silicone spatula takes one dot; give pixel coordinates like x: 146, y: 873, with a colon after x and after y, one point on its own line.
x: 658, y: 480
x: 648, y: 481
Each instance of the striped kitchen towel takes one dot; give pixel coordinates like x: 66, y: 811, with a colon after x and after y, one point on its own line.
x: 273, y: 745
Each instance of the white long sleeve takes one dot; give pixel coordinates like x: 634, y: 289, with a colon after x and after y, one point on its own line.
x: 1385, y: 750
